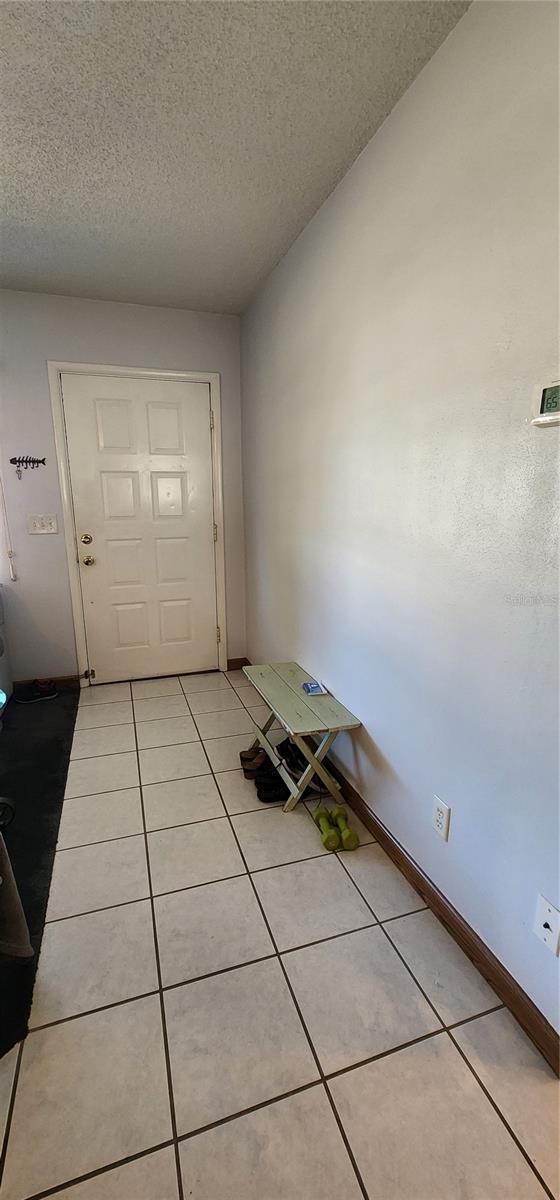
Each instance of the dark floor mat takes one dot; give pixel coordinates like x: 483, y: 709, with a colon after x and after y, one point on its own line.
x: 34, y: 752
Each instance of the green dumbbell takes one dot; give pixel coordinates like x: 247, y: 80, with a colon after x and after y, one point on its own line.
x: 349, y: 837
x: 329, y: 835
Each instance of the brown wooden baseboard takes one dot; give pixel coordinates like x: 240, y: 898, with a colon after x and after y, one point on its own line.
x: 519, y: 1003
x: 235, y: 664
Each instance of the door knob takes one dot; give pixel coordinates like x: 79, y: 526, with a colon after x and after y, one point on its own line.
x: 87, y: 539
x: 88, y: 560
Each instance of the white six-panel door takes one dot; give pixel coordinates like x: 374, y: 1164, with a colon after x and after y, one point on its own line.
x: 141, y: 476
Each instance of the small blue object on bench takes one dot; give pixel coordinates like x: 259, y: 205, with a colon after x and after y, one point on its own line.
x: 313, y: 688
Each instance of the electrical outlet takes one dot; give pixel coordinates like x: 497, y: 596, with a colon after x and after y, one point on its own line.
x: 547, y: 924
x: 441, y: 816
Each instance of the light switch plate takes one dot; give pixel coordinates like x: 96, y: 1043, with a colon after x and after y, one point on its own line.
x: 42, y: 523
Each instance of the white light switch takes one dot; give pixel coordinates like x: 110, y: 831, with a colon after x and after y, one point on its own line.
x: 42, y: 523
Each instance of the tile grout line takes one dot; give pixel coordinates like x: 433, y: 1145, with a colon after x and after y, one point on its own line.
x: 487, y: 1012
x: 366, y: 1062
x: 122, y: 837
x: 12, y: 1104
x: 89, y: 1012
x: 57, y: 1188
x: 292, y: 863
x: 247, y: 963
x: 60, y: 1187
x: 500, y: 1114
x: 244, y: 1112
x: 90, y: 911
x: 331, y: 937
x: 323, y: 1078
x: 184, y: 695
x: 447, y: 1030
x: 95, y: 703
x: 400, y: 916
x: 354, y: 1066
x: 277, y: 866
x: 112, y: 753
x: 170, y: 987
x: 395, y: 948
x: 172, y: 892
x: 130, y: 682
x: 298, y: 1010
x: 171, y: 1096
x: 109, y: 791
x: 443, y: 1028
x: 274, y: 1100
x: 111, y: 725
x: 9, y: 1117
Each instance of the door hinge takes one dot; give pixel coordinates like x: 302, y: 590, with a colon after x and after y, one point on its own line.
x: 89, y: 674
x: 218, y: 634
x: 215, y: 528
x: 211, y: 419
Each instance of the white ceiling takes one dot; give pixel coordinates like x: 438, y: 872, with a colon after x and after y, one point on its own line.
x: 170, y: 153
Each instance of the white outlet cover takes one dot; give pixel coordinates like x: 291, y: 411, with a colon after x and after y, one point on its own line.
x: 42, y: 523
x: 547, y: 924
x: 441, y: 817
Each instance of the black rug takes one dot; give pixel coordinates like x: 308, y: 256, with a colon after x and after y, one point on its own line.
x: 34, y: 753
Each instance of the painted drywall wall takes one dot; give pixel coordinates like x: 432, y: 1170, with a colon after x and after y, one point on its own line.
x: 399, y: 507
x: 36, y: 328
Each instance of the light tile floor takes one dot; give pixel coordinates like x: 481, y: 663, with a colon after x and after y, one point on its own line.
x: 223, y: 1011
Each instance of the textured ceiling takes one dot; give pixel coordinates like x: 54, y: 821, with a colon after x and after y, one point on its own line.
x: 170, y: 153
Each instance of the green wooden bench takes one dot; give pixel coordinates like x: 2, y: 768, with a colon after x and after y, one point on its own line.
x: 302, y: 717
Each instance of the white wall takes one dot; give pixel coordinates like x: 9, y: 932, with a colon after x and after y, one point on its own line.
x: 36, y: 328
x: 398, y: 505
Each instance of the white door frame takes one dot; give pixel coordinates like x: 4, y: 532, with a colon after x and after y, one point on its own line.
x: 55, y: 371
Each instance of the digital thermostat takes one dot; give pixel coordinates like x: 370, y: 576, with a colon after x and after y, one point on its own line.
x: 546, y: 404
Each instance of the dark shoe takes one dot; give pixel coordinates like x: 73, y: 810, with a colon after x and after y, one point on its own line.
x: 295, y: 768
x: 265, y: 771
x: 292, y: 757
x: 273, y: 792
x: 295, y: 760
x: 277, y: 797
x: 251, y: 769
x: 40, y: 689
x: 273, y: 780
x: 247, y: 756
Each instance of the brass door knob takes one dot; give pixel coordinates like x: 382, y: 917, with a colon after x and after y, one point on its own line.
x: 88, y: 560
x: 87, y: 539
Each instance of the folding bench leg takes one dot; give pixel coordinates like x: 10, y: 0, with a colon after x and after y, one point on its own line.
x: 315, y: 768
x: 258, y: 740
